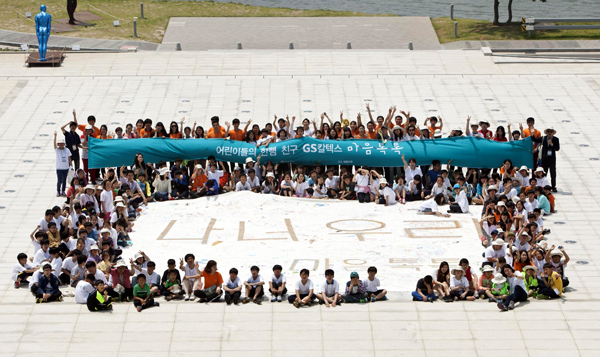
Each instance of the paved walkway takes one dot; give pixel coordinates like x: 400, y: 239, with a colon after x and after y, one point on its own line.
x: 19, y: 38
x: 223, y: 33
x: 120, y: 88
x: 562, y: 44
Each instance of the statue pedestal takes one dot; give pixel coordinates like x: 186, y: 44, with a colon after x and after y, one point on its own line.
x: 53, y: 59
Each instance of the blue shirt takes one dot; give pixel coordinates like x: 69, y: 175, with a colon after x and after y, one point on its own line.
x: 543, y: 203
x: 433, y: 175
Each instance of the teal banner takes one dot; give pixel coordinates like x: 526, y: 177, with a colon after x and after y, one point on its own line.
x: 464, y: 151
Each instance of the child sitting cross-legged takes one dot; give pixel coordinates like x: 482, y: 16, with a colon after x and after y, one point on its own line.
x: 304, y: 291
x: 142, y: 298
x: 330, y: 291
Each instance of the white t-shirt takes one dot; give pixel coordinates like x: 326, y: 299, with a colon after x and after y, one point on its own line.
x: 321, y: 188
x: 410, y: 138
x: 152, y: 279
x: 430, y: 203
x: 301, y: 188
x: 462, y: 201
x: 57, y: 266
x: 62, y: 159
x: 106, y: 198
x: 214, y: 175
x: 44, y: 225
x: 71, y: 244
x: 18, y: 268
x: 190, y: 271
x: 40, y: 256
x: 477, y: 135
x: 410, y: 173
x: 258, y: 279
x: 333, y: 182
x: 530, y: 206
x: 242, y: 187
x: 491, y: 253
x: 515, y: 281
x: 524, y: 179
x: 330, y: 289
x: 361, y: 180
x: 36, y: 246
x: 388, y: 193
x: 69, y: 264
x: 35, y: 278
x: 99, y: 275
x: 512, y: 193
x: 279, y: 280
x: 233, y: 284
x: 542, y: 182
x: 462, y: 283
x: 371, y: 286
x: 304, y: 289
x: 253, y: 183
x: 83, y: 291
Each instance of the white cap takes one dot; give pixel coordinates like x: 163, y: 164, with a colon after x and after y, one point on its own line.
x: 94, y: 247
x: 163, y: 171
x: 539, y: 169
x: 249, y: 159
x: 492, y: 187
x: 136, y: 256
x: 60, y: 141
x: 501, y: 203
x: 396, y: 127
x: 105, y: 230
x: 119, y: 199
x: 120, y: 204
x: 121, y: 263
x: 523, y: 168
x: 270, y: 174
x: 90, y: 187
x: 89, y: 127
x: 498, y: 242
x: 382, y: 180
x: 199, y: 166
x: 487, y: 268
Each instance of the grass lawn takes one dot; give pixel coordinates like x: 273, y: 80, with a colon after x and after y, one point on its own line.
x: 477, y: 30
x: 156, y: 13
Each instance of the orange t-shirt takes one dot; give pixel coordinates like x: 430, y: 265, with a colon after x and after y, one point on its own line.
x: 101, y: 138
x: 212, y: 135
x: 237, y: 135
x: 175, y: 136
x: 210, y: 280
x: 527, y: 133
x: 372, y: 135
x: 199, y: 182
x: 96, y: 132
x: 145, y: 134
x: 354, y: 132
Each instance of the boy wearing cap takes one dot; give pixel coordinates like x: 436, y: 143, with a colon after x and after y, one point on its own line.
x: 531, y: 280
x: 459, y: 285
x: 499, y: 288
x: 485, y: 283
x: 47, y: 289
x: 355, y: 290
x: 98, y: 300
x: 62, y: 164
x: 472, y: 129
x: 461, y: 204
x: 555, y: 258
x: 162, y: 185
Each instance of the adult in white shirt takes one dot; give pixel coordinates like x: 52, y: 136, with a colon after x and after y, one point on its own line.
x: 431, y: 206
x: 83, y: 291
x: 62, y: 164
x: 387, y: 195
x: 495, y: 251
x: 518, y: 291
x: 411, y: 169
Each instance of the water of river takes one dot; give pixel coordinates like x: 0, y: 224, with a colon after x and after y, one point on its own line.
x: 474, y: 9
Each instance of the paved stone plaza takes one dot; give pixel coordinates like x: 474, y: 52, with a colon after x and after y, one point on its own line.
x: 272, y: 33
x: 120, y: 88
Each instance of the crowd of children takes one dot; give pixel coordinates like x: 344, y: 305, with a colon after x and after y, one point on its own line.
x: 80, y: 244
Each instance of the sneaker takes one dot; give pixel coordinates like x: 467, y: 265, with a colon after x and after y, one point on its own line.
x: 274, y: 298
x: 430, y: 299
x: 415, y: 299
x: 139, y: 309
x: 57, y: 193
x: 546, y: 231
x: 471, y: 298
x: 491, y: 300
x: 542, y: 297
x: 554, y: 189
x: 25, y: 282
x: 156, y: 304
x: 296, y: 305
x: 228, y: 299
x: 384, y: 298
x: 362, y: 301
x: 192, y: 297
x: 187, y: 298
x: 63, y: 194
x: 504, y: 308
x: 245, y: 300
x: 373, y: 299
x: 511, y: 305
x: 168, y: 298
x: 279, y: 299
x: 501, y: 306
x: 60, y: 298
x: 16, y: 285
x: 39, y: 300
x: 257, y: 301
x: 309, y: 303
x: 476, y: 295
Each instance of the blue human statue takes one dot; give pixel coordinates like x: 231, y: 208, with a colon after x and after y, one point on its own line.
x: 42, y: 29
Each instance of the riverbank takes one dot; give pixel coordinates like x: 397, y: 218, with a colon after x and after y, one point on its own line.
x: 477, y: 30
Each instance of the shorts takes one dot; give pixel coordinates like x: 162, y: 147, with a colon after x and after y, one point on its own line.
x: 369, y: 293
